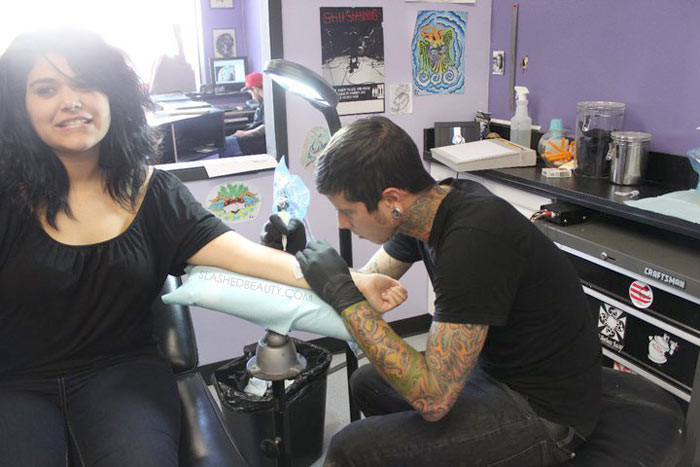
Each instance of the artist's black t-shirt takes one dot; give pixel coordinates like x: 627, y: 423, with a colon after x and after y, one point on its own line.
x: 490, y: 265
x: 65, y: 308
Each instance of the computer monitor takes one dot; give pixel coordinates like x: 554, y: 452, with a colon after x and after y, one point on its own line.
x: 228, y: 73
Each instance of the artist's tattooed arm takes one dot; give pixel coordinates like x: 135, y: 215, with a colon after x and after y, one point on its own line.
x: 383, y: 263
x: 430, y: 383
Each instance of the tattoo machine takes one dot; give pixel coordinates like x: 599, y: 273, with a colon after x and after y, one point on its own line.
x: 290, y: 197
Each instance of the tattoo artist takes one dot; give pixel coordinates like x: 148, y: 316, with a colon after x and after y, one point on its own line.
x: 511, y: 373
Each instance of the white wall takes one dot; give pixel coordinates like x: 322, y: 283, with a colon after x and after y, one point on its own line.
x: 302, y: 44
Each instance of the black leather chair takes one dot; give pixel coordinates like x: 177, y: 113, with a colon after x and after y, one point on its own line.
x: 205, y: 441
x: 640, y: 425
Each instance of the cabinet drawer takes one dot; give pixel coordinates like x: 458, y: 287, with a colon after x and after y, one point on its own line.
x: 656, y: 346
x: 665, y: 304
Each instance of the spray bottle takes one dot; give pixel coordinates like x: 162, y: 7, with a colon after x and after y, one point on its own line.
x: 521, y: 123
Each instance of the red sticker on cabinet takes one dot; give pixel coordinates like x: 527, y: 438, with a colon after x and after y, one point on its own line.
x: 641, y: 294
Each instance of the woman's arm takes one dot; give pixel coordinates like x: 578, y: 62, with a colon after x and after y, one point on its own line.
x: 233, y: 252
x: 236, y: 253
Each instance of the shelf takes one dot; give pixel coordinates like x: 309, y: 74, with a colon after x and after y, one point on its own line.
x: 598, y: 194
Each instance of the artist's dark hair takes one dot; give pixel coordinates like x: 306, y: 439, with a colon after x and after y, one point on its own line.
x: 29, y: 170
x: 367, y: 156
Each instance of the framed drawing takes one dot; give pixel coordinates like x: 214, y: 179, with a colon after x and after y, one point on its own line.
x: 224, y: 41
x: 220, y: 3
x: 448, y: 133
x: 498, y: 62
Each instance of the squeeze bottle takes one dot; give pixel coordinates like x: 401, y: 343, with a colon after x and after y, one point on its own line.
x: 521, y: 123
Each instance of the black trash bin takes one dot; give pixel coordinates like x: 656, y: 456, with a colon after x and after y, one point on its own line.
x: 249, y: 418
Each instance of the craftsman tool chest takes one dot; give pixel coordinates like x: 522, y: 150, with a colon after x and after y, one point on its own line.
x: 643, y: 287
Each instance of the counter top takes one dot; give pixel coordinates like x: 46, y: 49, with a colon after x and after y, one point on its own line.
x: 212, y: 168
x: 598, y: 194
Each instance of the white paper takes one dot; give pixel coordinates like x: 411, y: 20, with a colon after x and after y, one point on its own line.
x: 233, y: 165
x: 478, y: 150
x: 684, y: 204
x: 485, y: 154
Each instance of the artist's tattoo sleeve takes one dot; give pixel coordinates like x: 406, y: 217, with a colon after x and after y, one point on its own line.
x: 381, y: 262
x: 430, y: 383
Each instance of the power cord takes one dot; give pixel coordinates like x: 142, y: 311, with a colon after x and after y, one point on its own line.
x: 542, y: 213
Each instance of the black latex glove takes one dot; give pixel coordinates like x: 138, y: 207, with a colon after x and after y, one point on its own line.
x: 328, y: 275
x: 274, y: 229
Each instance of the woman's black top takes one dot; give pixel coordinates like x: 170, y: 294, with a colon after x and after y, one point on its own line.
x: 66, y: 308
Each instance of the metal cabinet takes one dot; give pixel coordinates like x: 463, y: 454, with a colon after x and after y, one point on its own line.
x: 644, y: 288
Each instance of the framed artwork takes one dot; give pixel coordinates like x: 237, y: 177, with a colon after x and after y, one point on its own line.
x: 220, y: 3
x: 498, y: 62
x: 224, y: 41
x: 448, y: 133
x: 438, y: 52
x: 352, y: 57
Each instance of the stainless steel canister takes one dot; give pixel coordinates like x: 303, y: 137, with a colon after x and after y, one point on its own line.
x: 628, y: 155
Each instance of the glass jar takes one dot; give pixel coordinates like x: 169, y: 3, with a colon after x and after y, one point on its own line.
x: 556, y: 147
x: 595, y: 121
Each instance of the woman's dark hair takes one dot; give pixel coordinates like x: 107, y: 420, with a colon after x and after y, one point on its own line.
x: 367, y: 156
x: 29, y: 169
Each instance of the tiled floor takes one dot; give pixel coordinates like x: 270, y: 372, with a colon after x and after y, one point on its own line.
x: 337, y: 407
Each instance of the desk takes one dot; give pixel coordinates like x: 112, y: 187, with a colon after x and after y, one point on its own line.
x: 237, y: 113
x: 237, y: 120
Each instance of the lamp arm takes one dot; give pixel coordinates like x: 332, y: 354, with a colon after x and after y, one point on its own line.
x: 331, y: 116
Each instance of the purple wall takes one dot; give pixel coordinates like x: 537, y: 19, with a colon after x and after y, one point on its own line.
x: 220, y: 18
x: 641, y: 52
x: 252, y: 10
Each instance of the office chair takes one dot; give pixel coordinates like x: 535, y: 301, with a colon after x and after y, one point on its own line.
x: 204, y: 441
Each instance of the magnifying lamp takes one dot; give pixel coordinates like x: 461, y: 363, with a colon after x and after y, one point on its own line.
x: 308, y: 85
x: 315, y: 90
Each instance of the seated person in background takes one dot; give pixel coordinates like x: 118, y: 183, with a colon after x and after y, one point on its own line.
x: 251, y: 140
x: 88, y: 234
x: 512, y: 369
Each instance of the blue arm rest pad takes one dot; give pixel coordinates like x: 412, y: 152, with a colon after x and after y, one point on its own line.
x: 272, y: 305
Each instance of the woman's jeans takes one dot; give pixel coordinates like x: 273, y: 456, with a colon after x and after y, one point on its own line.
x: 125, y: 414
x: 489, y: 425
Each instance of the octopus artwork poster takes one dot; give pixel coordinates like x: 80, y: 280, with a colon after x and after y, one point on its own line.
x: 438, y: 52
x: 234, y: 202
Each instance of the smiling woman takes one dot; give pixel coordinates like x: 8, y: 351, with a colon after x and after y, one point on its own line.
x: 73, y: 177
x: 78, y: 93
x: 68, y: 115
